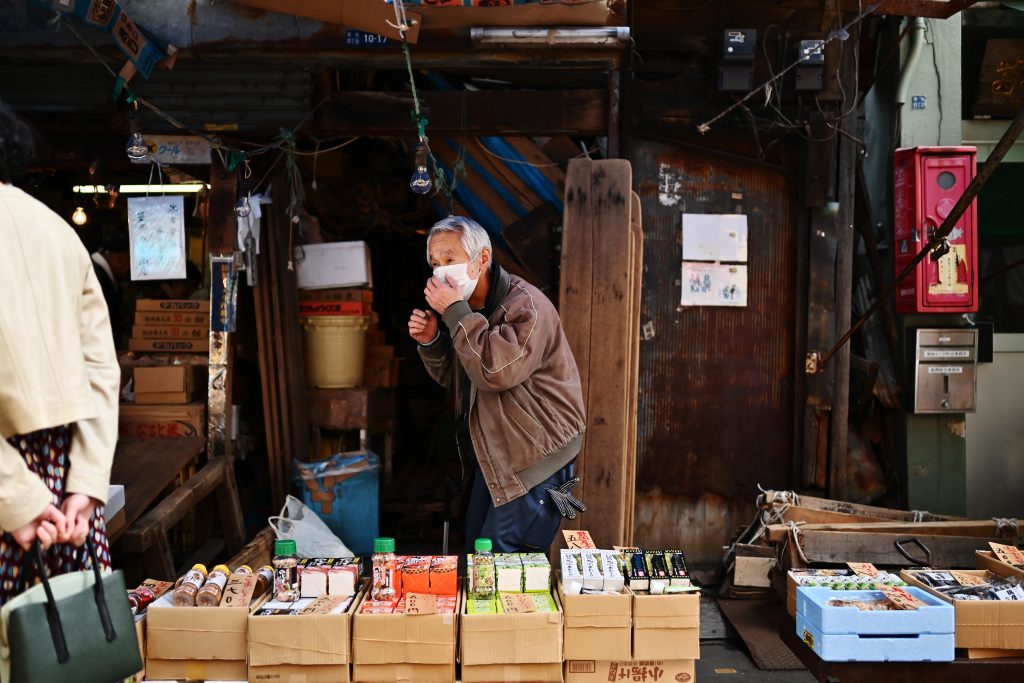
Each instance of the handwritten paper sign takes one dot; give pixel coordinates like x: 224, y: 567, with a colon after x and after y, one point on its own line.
x: 156, y: 230
x: 419, y: 603
x: 325, y: 604
x: 239, y: 590
x: 578, y: 540
x: 900, y: 597
x: 1009, y: 554
x: 969, y: 579
x: 517, y: 603
x: 714, y: 284
x: 863, y: 569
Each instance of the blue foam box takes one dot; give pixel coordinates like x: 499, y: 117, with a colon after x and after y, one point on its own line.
x: 344, y: 491
x: 847, y: 634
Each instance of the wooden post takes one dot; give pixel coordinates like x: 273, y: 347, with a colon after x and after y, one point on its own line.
x: 221, y: 227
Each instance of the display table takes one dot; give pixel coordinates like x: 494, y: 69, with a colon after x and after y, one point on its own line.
x: 962, y: 669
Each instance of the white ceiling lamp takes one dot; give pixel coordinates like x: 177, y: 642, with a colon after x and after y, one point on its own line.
x: 172, y: 188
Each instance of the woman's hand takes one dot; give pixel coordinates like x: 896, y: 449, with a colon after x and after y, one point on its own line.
x: 78, y: 509
x: 46, y: 528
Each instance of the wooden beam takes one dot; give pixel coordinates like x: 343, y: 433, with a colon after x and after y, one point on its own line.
x: 257, y: 552
x: 506, y: 112
x: 866, y: 510
x: 980, y: 528
x: 839, y: 547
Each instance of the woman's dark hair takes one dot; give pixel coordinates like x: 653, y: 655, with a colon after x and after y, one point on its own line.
x: 17, y: 144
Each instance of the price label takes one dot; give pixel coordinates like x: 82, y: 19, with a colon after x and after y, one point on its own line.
x: 1008, y: 554
x: 239, y: 590
x: 901, y: 598
x: 864, y: 569
x: 579, y: 540
x: 518, y: 603
x: 419, y: 603
x: 325, y: 604
x: 968, y: 579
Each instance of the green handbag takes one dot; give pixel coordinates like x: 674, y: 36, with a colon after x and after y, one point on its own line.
x: 84, y: 635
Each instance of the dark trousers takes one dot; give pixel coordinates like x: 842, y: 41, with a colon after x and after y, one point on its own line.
x: 527, y: 524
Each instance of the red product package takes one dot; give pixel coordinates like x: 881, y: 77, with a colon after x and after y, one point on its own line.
x: 416, y: 575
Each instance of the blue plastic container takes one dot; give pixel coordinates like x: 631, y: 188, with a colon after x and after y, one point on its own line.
x: 344, y: 491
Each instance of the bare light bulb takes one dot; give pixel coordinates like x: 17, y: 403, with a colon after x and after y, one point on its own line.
x: 79, y: 217
x: 136, y: 147
x: 420, y: 182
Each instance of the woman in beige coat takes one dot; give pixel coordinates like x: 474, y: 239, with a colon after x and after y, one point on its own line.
x: 59, y: 381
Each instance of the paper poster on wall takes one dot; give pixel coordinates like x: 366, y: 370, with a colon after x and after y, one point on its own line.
x: 715, y: 237
x: 156, y: 230
x: 713, y: 284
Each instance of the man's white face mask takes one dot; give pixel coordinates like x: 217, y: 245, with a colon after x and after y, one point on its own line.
x: 458, y: 274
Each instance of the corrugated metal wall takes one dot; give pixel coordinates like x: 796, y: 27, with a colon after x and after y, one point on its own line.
x: 716, y: 384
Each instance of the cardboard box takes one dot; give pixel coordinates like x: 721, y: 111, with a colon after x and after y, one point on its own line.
x: 169, y: 383
x: 170, y: 331
x: 301, y: 648
x: 350, y: 294
x: 170, y: 345
x: 597, y: 626
x: 666, y: 627
x: 172, y: 318
x: 115, y: 523
x: 983, y: 624
x: 173, y: 305
x: 332, y: 265
x: 602, y: 671
x: 791, y: 584
x: 140, y: 635
x: 402, y: 647
x: 512, y: 647
x: 197, y: 643
x: 343, y: 308
x: 986, y: 559
x: 147, y: 421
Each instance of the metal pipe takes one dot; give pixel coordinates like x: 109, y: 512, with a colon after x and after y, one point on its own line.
x: 914, y: 48
x: 969, y: 195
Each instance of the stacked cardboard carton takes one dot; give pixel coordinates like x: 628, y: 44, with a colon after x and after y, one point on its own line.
x: 172, y: 326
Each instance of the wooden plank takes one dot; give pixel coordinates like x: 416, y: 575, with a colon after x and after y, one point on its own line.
x: 981, y: 528
x: 503, y: 171
x: 796, y: 513
x: 511, y: 112
x: 221, y: 223
x: 533, y: 154
x: 605, y: 447
x: 355, y: 408
x: 230, y: 509
x: 257, y: 552
x: 529, y: 238
x: 869, y: 510
x: 837, y: 547
x: 474, y: 182
x: 637, y: 270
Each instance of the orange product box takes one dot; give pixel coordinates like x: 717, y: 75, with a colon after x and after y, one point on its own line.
x: 444, y: 575
x: 416, y: 575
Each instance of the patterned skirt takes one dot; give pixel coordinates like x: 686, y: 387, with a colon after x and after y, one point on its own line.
x: 46, y: 454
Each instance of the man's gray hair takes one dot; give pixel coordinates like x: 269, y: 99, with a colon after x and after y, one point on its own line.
x: 472, y: 235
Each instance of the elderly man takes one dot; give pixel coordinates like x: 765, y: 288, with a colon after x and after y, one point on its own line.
x: 503, y: 353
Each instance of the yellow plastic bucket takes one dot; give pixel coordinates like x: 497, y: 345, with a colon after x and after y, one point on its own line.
x: 335, y: 350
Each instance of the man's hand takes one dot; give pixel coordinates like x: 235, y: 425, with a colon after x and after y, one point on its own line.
x: 440, y: 295
x: 78, y: 509
x: 46, y: 528
x: 423, y: 326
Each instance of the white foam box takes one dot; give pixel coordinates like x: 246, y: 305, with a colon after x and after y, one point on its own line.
x: 508, y: 568
x: 335, y: 264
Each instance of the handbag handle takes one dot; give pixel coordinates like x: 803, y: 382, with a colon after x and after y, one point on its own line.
x: 53, y: 615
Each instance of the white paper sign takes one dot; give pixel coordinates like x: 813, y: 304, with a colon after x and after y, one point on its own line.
x: 715, y: 237
x: 712, y: 284
x: 156, y: 230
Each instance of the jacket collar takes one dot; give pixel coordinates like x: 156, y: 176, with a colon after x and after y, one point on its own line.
x: 501, y: 282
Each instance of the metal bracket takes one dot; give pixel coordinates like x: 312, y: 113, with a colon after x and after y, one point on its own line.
x: 812, y: 363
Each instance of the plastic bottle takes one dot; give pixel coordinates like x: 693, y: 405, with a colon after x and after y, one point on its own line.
x: 483, y: 570
x: 264, y: 579
x: 140, y: 598
x: 189, y: 585
x: 383, y: 569
x: 213, y: 590
x: 286, y: 572
x: 244, y: 569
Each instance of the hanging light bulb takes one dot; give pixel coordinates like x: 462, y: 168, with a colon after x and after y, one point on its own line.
x: 420, y: 182
x: 243, y: 208
x: 79, y: 217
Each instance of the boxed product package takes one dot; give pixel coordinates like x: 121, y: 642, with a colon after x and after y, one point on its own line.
x: 173, y: 305
x: 522, y: 645
x: 597, y: 626
x: 312, y: 646
x: 666, y: 626
x: 197, y: 643
x: 602, y: 671
x: 402, y: 647
x: 982, y: 625
x: 169, y: 345
x: 635, y: 569
x: 333, y: 265
x: 508, y: 568
x: 536, y: 573
x: 146, y: 421
x: 444, y: 575
x: 169, y: 383
x: 172, y: 318
x: 170, y: 331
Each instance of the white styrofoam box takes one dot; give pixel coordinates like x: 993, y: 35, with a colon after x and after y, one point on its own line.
x: 115, y: 500
x: 936, y: 616
x: 839, y: 647
x: 334, y: 264
x: 715, y: 237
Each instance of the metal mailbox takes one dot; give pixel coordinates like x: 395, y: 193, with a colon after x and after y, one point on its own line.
x: 945, y: 370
